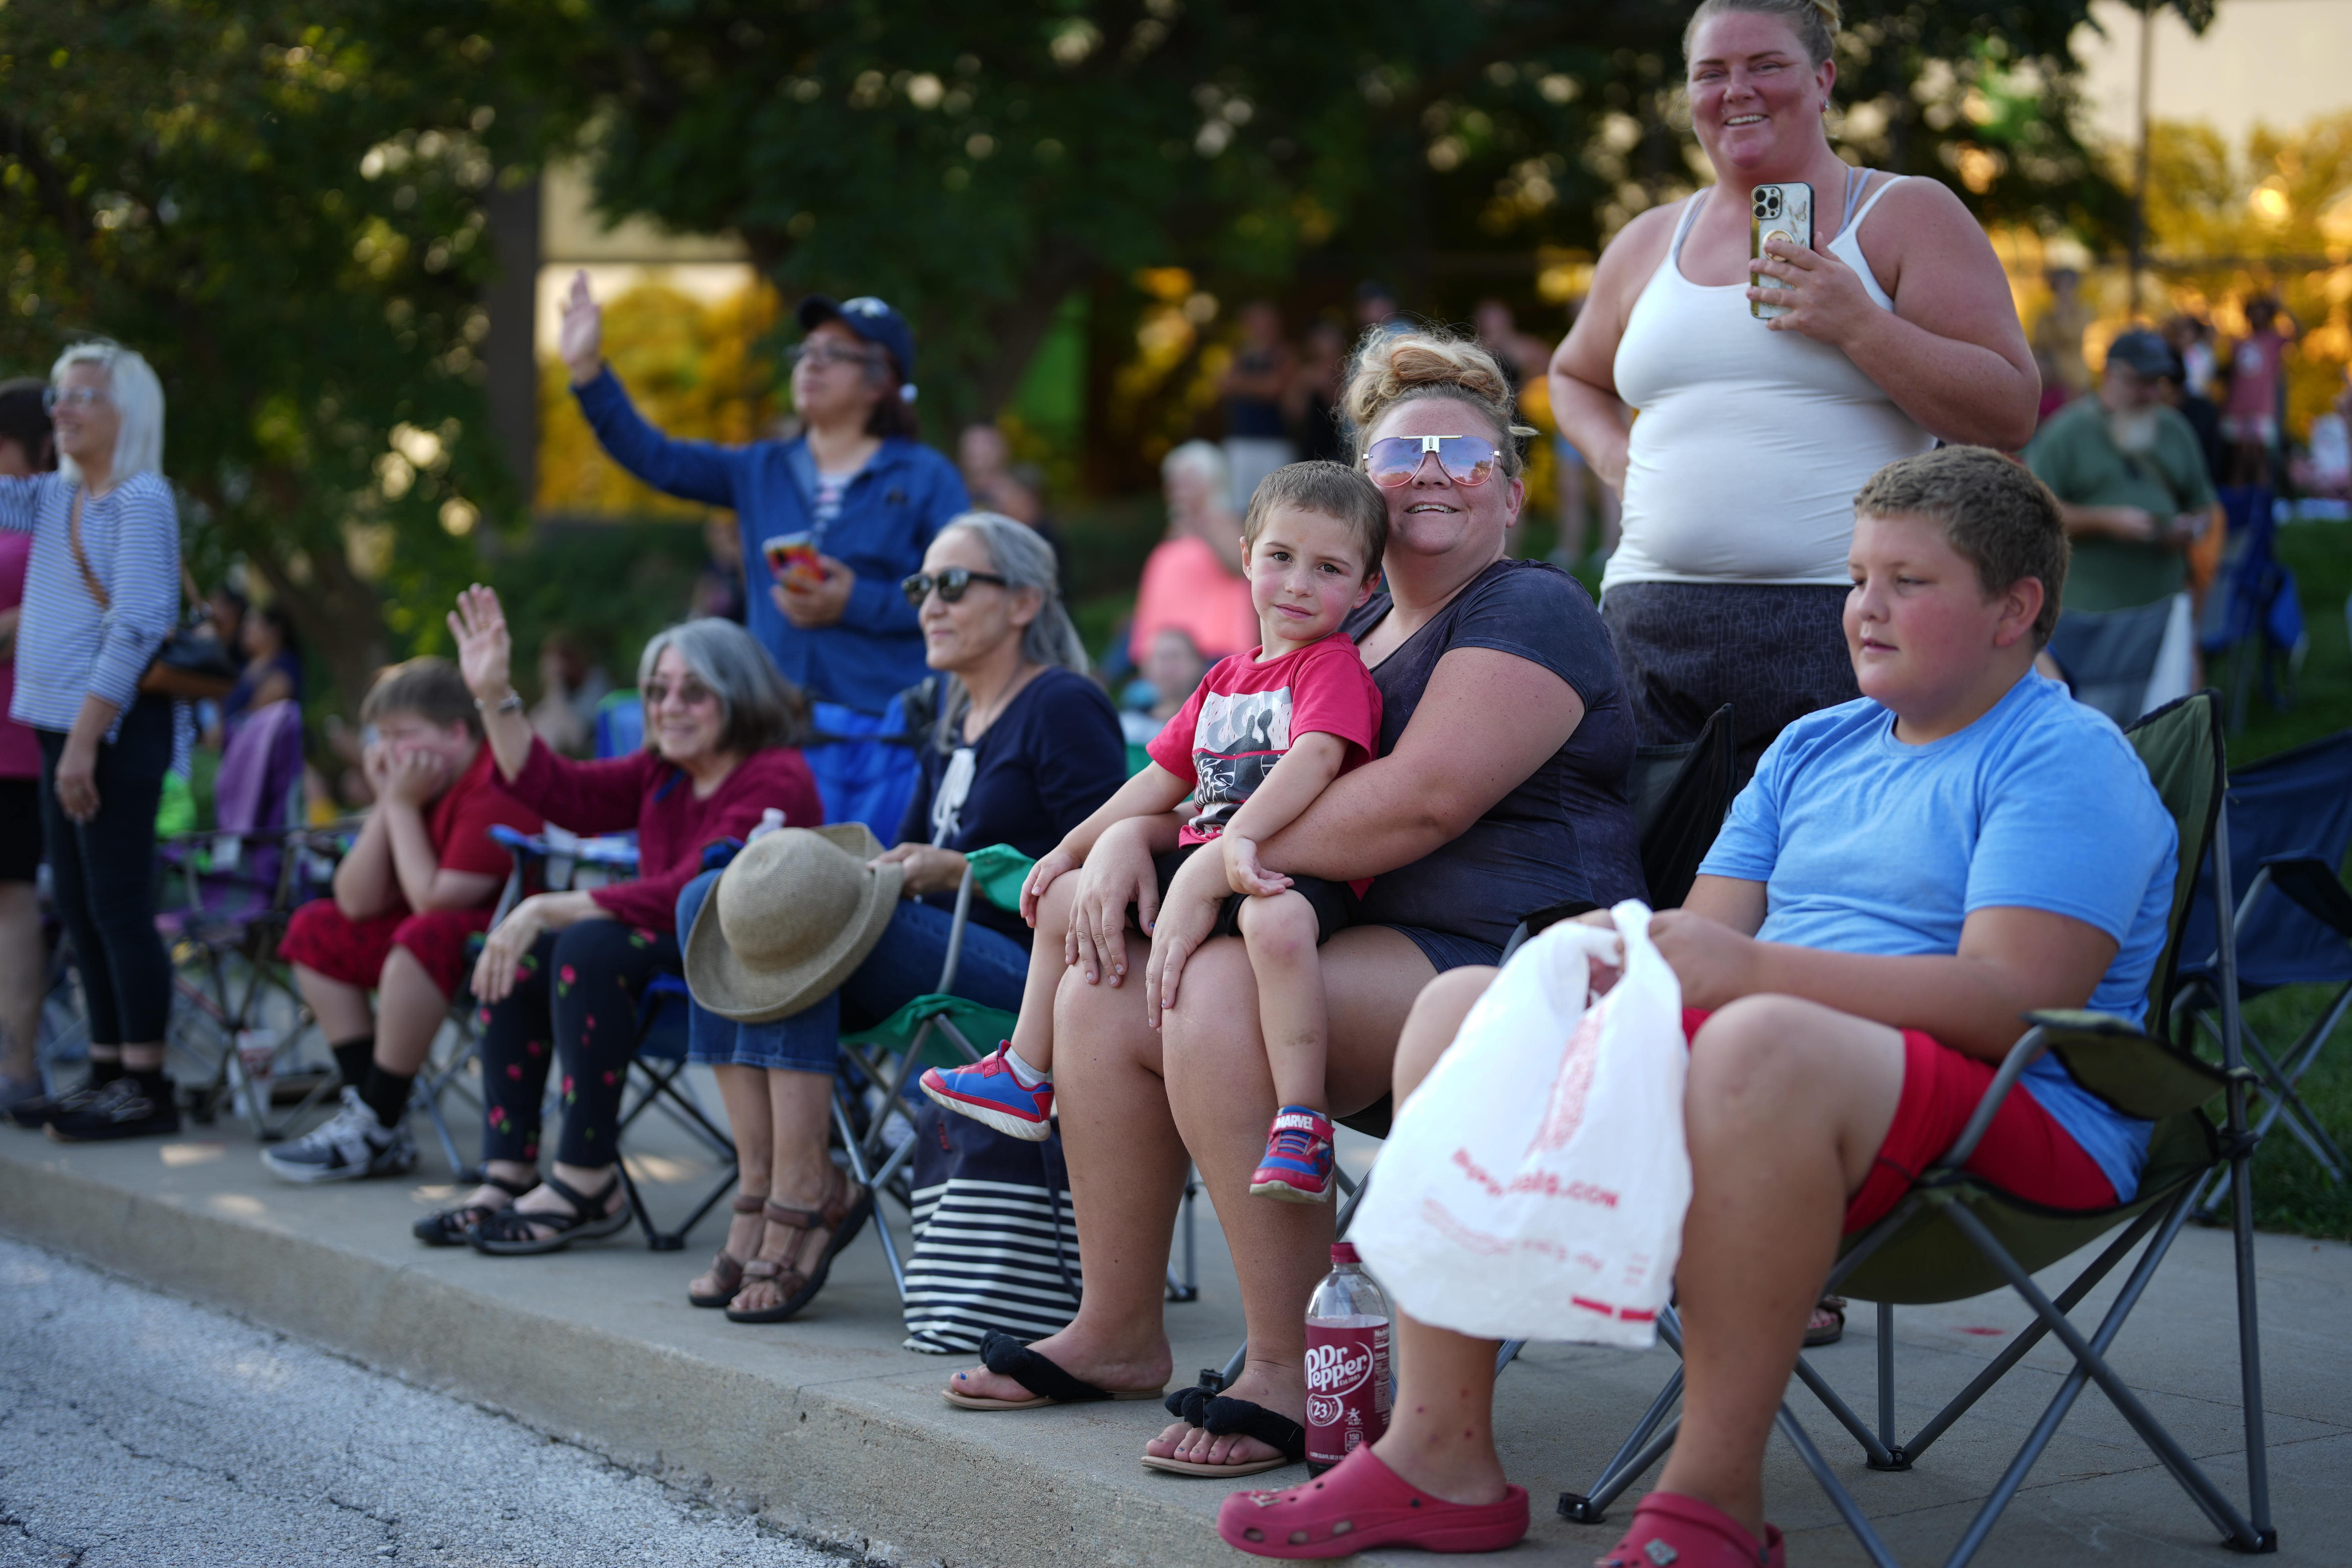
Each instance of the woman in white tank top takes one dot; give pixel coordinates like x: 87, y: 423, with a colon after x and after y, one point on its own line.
x: 1739, y: 477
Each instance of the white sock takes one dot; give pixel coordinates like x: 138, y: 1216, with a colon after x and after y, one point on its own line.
x: 1023, y: 1074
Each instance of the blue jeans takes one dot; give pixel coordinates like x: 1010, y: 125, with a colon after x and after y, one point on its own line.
x: 904, y: 964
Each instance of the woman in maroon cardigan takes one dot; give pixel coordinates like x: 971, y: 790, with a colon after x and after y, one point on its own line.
x: 560, y: 977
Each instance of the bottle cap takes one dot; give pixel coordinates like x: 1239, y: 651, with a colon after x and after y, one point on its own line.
x: 1345, y: 1252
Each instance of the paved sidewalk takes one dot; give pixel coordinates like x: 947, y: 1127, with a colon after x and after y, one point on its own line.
x: 829, y: 1428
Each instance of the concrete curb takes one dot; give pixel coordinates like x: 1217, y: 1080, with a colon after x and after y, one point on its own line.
x: 860, y: 1468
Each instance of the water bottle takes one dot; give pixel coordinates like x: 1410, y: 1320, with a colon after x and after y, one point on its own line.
x: 256, y: 1052
x: 1347, y: 1362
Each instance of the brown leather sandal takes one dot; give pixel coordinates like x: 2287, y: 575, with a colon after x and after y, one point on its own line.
x: 727, y: 1268
x: 846, y: 1211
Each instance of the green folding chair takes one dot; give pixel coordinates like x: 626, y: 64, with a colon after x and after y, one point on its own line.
x: 1954, y: 1236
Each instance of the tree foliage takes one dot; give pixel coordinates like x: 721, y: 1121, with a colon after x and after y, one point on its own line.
x: 980, y: 164
x: 282, y: 208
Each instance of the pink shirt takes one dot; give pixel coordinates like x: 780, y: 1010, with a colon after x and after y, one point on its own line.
x: 1185, y: 585
x: 20, y: 753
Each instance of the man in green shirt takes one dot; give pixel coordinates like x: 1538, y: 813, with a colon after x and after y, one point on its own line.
x: 2130, y: 480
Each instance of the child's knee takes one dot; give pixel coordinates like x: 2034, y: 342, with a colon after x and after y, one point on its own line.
x: 1279, y: 929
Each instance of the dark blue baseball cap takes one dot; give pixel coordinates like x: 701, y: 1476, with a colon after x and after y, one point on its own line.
x: 871, y: 320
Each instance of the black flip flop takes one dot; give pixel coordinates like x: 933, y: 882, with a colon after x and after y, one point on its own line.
x: 1047, y: 1381
x: 450, y: 1227
x: 1221, y: 1416
x: 508, y: 1234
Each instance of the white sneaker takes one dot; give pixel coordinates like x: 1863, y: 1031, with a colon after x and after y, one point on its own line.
x: 352, y: 1145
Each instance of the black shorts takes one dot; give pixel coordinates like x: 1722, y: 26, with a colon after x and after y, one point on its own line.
x: 1328, y: 899
x: 20, y: 830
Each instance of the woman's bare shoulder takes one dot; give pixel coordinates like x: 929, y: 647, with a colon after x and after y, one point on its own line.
x: 1627, y: 261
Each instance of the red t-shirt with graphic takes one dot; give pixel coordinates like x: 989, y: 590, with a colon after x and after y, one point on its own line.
x: 1230, y: 733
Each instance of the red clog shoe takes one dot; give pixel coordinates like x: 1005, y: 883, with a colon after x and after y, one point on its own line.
x: 1670, y: 1530
x: 1360, y: 1503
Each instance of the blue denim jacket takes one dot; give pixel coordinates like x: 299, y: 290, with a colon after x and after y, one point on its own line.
x: 889, y: 514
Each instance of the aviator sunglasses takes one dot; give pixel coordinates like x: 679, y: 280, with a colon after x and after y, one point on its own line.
x: 1392, y: 460
x: 952, y: 585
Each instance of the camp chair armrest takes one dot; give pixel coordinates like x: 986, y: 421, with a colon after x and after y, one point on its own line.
x: 998, y: 872
x: 2028, y: 1050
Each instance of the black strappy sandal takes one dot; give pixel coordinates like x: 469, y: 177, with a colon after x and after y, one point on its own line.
x: 453, y: 1227
x: 1047, y: 1381
x: 1221, y: 1416
x: 508, y: 1233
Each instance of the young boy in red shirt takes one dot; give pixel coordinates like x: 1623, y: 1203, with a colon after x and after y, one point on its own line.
x: 1265, y: 735
x: 419, y: 882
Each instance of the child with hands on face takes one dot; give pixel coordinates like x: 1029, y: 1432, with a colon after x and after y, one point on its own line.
x: 1265, y: 732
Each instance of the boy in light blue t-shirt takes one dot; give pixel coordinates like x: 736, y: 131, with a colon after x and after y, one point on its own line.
x: 1906, y: 876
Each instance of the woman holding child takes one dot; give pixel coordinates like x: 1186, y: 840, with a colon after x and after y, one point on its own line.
x: 1899, y: 331
x: 802, y: 943
x: 560, y: 977
x: 1496, y: 787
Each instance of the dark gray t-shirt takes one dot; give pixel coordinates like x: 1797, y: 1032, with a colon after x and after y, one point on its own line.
x: 1567, y: 830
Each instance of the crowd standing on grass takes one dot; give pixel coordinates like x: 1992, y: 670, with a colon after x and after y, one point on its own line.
x: 1860, y: 504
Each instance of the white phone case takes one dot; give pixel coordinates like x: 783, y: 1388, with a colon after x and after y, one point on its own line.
x: 1784, y: 212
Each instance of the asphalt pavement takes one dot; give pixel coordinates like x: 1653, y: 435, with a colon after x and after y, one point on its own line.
x: 137, y: 1429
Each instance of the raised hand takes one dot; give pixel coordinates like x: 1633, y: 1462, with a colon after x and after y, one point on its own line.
x: 579, y: 342
x: 485, y: 650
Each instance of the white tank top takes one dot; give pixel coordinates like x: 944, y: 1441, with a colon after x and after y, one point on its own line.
x: 1751, y: 443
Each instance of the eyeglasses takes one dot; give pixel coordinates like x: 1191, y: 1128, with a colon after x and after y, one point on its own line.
x: 952, y: 585
x: 689, y: 693
x: 1393, y: 460
x: 822, y: 356
x: 71, y: 396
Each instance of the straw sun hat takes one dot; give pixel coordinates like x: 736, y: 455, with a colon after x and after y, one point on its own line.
x: 790, y: 917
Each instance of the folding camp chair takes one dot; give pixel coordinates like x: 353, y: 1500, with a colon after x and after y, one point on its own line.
x: 1956, y: 1235
x: 225, y: 897
x: 2252, y: 613
x: 2290, y: 825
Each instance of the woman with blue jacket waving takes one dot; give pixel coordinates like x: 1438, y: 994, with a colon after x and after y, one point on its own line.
x: 867, y: 493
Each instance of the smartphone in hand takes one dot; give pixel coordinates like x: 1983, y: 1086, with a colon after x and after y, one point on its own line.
x: 1777, y: 212
x: 793, y: 558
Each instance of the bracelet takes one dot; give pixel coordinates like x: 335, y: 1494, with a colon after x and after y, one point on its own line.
x: 510, y: 704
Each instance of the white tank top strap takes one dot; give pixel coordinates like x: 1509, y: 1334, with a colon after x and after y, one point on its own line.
x: 1682, y: 229
x: 1856, y: 218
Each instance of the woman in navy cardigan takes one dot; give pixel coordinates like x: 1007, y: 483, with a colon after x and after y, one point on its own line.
x: 871, y: 495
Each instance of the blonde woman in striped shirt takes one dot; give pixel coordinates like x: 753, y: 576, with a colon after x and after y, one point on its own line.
x: 101, y: 592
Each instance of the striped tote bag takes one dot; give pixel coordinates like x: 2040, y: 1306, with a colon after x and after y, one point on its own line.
x: 996, y: 1246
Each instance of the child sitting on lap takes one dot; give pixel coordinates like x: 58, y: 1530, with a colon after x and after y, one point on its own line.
x: 1263, y: 736
x: 416, y: 885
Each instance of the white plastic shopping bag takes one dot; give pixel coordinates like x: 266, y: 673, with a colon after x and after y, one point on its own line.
x: 1534, y: 1187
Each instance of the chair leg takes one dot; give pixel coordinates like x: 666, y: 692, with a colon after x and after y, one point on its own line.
x: 1840, y: 1499
x: 863, y: 1174
x: 1643, y: 1446
x: 1186, y: 1287
x: 1886, y: 1384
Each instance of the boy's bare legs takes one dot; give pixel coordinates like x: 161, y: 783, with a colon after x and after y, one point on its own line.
x: 1278, y: 930
x: 1787, y: 1106
x: 342, y: 1009
x: 409, y: 1012
x: 1032, y: 1032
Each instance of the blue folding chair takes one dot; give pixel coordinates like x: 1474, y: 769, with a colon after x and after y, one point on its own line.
x: 865, y: 764
x: 2290, y: 826
x: 620, y: 724
x: 2252, y: 614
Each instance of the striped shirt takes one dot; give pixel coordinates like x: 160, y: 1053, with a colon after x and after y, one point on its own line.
x: 66, y: 647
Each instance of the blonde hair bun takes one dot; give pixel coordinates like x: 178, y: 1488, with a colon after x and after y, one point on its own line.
x: 1397, y: 367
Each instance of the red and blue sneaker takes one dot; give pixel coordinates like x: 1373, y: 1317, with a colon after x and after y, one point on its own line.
x: 989, y: 1093
x: 1298, y: 1164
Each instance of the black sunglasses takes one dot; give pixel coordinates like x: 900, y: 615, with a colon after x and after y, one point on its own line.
x: 953, y: 584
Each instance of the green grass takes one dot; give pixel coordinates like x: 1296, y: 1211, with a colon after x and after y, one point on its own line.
x: 2291, y: 1192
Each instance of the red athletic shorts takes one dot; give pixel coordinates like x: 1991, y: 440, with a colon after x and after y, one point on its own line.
x: 324, y: 937
x: 2025, y: 1153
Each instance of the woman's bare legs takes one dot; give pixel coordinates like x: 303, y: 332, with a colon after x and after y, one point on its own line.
x: 743, y: 1090
x: 1223, y: 1095
x: 799, y: 1105
x: 1127, y: 1174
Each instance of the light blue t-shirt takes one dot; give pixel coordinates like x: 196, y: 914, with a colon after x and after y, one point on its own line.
x: 1867, y: 845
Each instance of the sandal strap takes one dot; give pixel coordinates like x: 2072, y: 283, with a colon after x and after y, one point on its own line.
x: 1227, y: 1416
x: 1190, y: 1405
x: 511, y: 1189
x: 727, y: 1269
x: 1008, y: 1357
x: 582, y: 1206
x: 748, y: 1203
x: 826, y: 1217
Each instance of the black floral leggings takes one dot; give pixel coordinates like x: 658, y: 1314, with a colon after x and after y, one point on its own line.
x: 577, y: 992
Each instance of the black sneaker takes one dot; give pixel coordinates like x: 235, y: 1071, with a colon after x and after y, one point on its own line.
x: 123, y: 1108
x: 36, y: 1112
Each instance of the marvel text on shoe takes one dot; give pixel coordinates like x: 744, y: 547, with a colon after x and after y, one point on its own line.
x: 1297, y: 1163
